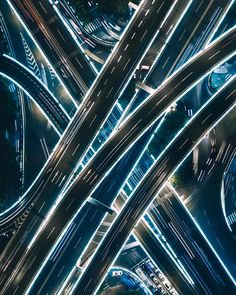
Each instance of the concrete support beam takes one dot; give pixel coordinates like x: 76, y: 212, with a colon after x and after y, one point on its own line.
x: 145, y: 87
x: 100, y: 205
x: 132, y: 5
x: 94, y: 57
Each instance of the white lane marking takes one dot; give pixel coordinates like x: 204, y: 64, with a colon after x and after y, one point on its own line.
x: 51, y: 232
x: 214, y: 54
x: 184, y: 143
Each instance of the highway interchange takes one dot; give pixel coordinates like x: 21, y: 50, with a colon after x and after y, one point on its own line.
x: 166, y: 30
x: 48, y: 31
x: 71, y: 204
x: 151, y: 184
x: 48, y: 103
x: 92, y: 104
x: 69, y: 152
x: 214, y: 8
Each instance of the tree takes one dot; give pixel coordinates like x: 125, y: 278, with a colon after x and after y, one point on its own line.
x: 82, y: 11
x: 172, y: 123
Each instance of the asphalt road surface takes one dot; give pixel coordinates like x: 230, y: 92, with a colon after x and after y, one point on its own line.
x: 148, y: 188
x: 58, y: 45
x: 38, y: 92
x: 98, y: 167
x: 84, y: 127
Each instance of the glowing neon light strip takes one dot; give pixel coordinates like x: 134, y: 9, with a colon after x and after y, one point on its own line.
x: 41, y: 51
x: 40, y: 82
x: 171, y: 142
x: 27, y: 93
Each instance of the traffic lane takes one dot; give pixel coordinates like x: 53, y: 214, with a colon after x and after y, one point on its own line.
x: 186, y: 34
x: 122, y: 136
x: 36, y: 216
x: 59, y: 36
x: 57, y: 47
x: 107, y: 189
x: 69, y: 151
x: 18, y: 281
x: 40, y: 219
x: 52, y: 175
x: 159, y: 255
x: 68, y: 251
x: 104, y: 189
x: 137, y: 123
x: 150, y: 185
x: 228, y: 39
x: 210, y: 217
x: 170, y: 25
x: 77, y: 88
x: 141, y: 14
x: 110, y: 186
x: 40, y: 93
x: 94, y: 116
x: 105, y: 82
x: 188, y: 243
x: 190, y: 32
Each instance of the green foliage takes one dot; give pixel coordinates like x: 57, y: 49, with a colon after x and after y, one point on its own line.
x: 82, y: 10
x: 114, y: 7
x: 175, y: 180
x: 171, y: 125
x: 185, y: 174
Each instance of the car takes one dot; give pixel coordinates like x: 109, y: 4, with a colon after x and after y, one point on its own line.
x: 163, y: 291
x: 167, y: 285
x: 145, y: 67
x: 155, y: 280
x: 172, y: 291
x: 160, y: 275
x: 153, y: 290
x: 117, y: 273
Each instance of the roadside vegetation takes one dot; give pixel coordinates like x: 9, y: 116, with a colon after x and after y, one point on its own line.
x: 118, y: 9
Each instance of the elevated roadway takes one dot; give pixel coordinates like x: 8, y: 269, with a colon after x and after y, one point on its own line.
x: 193, y: 33
x: 151, y: 184
x: 88, y: 119
x: 93, y: 113
x: 171, y: 218
x: 105, y: 159
x: 194, y: 29
x: 33, y: 87
x: 165, y: 32
x: 56, y: 42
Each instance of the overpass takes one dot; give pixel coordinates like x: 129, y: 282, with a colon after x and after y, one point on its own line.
x: 171, y: 157
x: 94, y: 111
x: 56, y: 42
x: 37, y: 91
x: 211, y: 8
x: 115, y: 148
x: 68, y: 152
